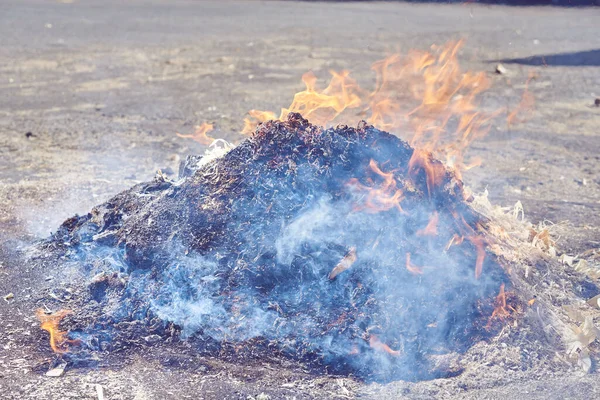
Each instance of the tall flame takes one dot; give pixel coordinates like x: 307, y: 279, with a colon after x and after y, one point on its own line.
x: 425, y: 92
x: 319, y: 106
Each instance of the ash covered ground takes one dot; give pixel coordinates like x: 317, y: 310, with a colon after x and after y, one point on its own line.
x: 91, y: 106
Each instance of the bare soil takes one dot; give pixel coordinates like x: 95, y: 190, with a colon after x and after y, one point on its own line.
x: 92, y: 94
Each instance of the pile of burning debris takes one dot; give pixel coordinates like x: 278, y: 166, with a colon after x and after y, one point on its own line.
x: 344, y: 248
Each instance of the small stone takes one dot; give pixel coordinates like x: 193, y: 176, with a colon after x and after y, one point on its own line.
x: 9, y: 297
x: 152, y: 339
x: 597, y: 102
x: 501, y: 69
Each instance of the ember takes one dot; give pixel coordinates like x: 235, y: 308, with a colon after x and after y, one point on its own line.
x: 502, y: 310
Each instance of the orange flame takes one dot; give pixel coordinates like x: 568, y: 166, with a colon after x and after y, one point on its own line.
x: 422, y: 160
x: 442, y: 113
x: 200, y: 134
x: 379, y: 198
x: 50, y: 323
x: 431, y: 228
x: 255, y: 118
x: 413, y: 269
x: 456, y: 240
x: 525, y: 105
x: 378, y: 345
x: 501, y: 311
x: 321, y: 107
x: 479, y: 245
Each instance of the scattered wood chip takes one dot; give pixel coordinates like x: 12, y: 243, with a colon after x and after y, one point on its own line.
x: 584, y: 267
x: 567, y: 259
x: 580, y: 339
x: 99, y: 391
x: 573, y: 313
x: 57, y: 371
x: 343, y: 388
x: 584, y: 361
x: 595, y: 301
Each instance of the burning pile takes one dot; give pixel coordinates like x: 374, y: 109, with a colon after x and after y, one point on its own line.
x: 344, y: 247
x: 324, y: 244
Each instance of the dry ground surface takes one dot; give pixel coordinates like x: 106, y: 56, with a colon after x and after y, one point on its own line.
x: 93, y: 92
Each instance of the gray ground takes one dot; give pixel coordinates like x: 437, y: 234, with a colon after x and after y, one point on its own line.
x: 102, y: 87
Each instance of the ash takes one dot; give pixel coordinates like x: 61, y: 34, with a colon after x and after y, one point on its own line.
x: 282, y: 245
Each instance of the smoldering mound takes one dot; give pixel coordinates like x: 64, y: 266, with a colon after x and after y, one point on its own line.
x: 300, y: 240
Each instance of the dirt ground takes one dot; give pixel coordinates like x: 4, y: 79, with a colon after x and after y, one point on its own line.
x: 93, y: 92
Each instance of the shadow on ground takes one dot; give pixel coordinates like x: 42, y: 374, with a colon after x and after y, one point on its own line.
x: 588, y: 58
x: 557, y: 3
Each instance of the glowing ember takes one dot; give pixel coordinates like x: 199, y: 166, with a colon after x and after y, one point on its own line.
x: 50, y: 323
x: 378, y: 345
x: 502, y: 311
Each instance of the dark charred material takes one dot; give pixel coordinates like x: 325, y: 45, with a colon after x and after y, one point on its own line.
x: 241, y: 249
